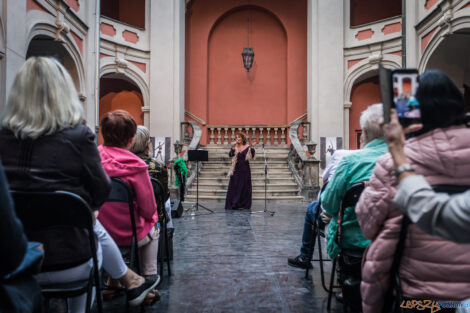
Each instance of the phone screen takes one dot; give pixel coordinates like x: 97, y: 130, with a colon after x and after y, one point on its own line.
x: 405, y: 83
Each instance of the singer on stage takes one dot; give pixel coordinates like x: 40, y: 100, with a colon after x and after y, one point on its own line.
x: 239, y: 188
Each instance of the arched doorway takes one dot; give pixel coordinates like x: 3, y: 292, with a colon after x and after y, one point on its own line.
x: 366, y: 91
x: 117, y: 92
x: 236, y: 96
x: 46, y: 46
x: 452, y: 56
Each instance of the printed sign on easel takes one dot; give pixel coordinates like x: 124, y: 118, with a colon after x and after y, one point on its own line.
x: 328, y: 146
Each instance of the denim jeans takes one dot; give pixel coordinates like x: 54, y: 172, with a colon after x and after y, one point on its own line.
x: 306, y: 250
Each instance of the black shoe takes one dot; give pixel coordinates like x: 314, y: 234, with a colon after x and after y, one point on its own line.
x: 136, y: 296
x: 299, y: 262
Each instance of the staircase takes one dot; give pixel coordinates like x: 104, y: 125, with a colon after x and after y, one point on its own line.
x: 213, y: 180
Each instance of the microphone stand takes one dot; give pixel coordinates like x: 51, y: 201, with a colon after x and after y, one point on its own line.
x: 265, y: 186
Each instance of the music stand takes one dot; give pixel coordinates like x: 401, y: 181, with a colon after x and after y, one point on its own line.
x: 198, y: 156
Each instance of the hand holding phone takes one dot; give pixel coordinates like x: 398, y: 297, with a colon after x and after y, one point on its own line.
x: 398, y: 90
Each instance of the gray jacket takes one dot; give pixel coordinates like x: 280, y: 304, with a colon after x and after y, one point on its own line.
x: 435, y: 213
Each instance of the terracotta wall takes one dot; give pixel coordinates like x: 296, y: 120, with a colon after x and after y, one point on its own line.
x: 218, y: 89
x: 363, y: 94
x: 130, y: 12
x: 367, y: 11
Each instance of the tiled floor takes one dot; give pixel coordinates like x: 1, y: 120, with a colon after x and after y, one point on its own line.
x: 237, y: 262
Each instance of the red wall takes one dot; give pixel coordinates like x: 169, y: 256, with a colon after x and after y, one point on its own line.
x: 218, y: 88
x: 363, y: 94
x: 367, y: 11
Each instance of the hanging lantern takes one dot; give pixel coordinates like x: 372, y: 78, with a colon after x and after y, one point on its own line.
x: 248, y: 55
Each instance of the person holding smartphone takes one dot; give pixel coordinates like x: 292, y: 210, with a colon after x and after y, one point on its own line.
x: 239, y: 192
x: 435, y: 213
x: 431, y: 267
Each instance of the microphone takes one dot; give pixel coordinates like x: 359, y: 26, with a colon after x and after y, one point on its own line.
x: 262, y: 145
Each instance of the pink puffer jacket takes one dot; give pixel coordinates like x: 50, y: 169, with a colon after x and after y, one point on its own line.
x: 431, y: 268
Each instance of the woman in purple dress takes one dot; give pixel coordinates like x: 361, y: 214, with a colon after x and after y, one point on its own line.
x: 239, y: 187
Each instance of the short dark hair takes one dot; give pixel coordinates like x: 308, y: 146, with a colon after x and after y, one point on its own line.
x: 117, y: 128
x: 440, y: 101
x: 242, y: 135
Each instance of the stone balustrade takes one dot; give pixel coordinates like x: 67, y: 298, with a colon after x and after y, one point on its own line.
x: 276, y: 135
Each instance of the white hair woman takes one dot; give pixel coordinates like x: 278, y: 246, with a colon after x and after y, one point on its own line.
x: 45, y: 146
x: 141, y: 147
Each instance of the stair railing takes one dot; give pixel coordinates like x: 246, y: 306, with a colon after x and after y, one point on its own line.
x: 302, y: 162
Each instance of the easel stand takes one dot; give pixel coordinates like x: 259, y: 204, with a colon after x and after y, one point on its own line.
x: 197, y: 156
x: 265, y: 187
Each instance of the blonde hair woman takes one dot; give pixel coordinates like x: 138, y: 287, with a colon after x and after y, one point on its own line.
x: 45, y: 146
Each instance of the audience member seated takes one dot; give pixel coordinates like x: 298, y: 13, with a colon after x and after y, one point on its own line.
x: 19, y: 291
x: 306, y: 252
x: 352, y: 169
x: 431, y: 268
x: 141, y: 147
x: 118, y: 129
x: 45, y: 146
x: 435, y: 213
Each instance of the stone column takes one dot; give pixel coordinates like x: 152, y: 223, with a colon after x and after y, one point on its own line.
x: 325, y: 71
x: 167, y: 20
x: 14, y: 22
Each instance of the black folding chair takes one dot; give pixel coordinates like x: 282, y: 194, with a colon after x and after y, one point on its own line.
x: 161, y: 197
x: 122, y: 192
x: 47, y: 210
x: 350, y: 199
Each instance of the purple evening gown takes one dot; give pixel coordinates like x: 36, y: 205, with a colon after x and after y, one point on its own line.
x: 239, y: 187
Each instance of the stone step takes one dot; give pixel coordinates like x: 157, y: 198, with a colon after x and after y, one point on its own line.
x: 254, y: 175
x: 254, y: 171
x: 208, y: 165
x: 260, y: 162
x: 255, y: 192
x: 258, y: 186
x: 255, y: 180
x: 192, y: 198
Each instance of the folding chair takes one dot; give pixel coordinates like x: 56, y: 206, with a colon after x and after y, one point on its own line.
x: 122, y: 192
x: 46, y: 210
x: 161, y: 197
x: 350, y: 199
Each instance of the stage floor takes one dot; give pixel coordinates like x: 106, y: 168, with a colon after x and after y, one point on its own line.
x: 237, y: 262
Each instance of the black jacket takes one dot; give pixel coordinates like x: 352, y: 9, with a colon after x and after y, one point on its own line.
x: 67, y: 160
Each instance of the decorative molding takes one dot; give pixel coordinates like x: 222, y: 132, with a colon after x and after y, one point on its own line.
x: 196, y: 118
x: 364, y: 34
x: 391, y: 28
x: 375, y: 58
x: 61, y: 26
x: 145, y: 109
x: 347, y: 105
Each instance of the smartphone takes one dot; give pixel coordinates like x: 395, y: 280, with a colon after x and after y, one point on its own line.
x: 398, y: 90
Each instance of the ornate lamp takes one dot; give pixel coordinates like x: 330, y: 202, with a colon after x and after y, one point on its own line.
x: 248, y: 55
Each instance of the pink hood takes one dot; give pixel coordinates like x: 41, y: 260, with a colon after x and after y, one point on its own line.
x: 114, y: 216
x: 431, y: 268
